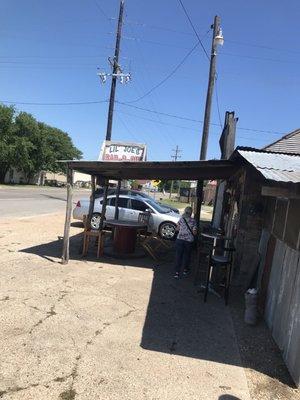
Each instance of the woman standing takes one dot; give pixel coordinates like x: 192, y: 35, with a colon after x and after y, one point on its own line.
x: 187, y: 231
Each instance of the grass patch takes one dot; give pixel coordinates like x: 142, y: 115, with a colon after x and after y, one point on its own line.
x: 174, y: 203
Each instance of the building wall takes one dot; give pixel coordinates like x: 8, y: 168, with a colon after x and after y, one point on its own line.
x: 249, y: 218
x: 14, y: 176
x: 279, y: 278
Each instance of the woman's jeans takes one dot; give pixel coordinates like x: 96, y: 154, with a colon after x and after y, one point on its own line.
x: 183, y: 254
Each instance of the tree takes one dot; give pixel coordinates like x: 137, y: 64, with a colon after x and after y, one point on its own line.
x: 6, y: 139
x: 31, y: 146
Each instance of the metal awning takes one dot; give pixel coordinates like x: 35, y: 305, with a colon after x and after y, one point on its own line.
x: 190, y: 170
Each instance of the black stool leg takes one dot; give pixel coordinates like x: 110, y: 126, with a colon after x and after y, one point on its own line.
x: 228, y: 279
x: 207, y: 280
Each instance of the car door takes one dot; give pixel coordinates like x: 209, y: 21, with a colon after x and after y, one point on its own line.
x: 137, y: 207
x: 125, y: 213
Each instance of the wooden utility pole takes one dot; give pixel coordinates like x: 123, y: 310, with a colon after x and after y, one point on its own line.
x: 209, y: 96
x: 175, y: 157
x: 114, y: 74
x: 66, y: 242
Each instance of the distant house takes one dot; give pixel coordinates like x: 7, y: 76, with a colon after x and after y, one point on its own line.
x: 14, y: 176
x: 289, y: 143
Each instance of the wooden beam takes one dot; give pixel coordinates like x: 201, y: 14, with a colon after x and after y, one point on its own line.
x: 273, y: 191
x: 104, y: 202
x: 92, y: 201
x: 66, y: 243
x: 117, y: 200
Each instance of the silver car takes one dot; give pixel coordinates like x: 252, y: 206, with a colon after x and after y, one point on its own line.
x: 162, y: 221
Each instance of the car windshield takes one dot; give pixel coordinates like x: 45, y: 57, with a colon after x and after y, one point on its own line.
x: 156, y: 206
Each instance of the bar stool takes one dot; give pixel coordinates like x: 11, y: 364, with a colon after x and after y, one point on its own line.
x: 219, y: 262
x: 88, y: 233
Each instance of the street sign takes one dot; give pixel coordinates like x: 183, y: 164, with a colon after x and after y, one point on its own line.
x: 155, y: 183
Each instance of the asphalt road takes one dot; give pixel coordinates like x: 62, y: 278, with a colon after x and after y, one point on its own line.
x: 28, y: 201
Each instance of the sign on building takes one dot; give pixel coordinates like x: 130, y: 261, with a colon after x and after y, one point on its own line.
x: 120, y: 151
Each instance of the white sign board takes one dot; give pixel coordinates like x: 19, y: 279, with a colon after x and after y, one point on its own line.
x: 118, y: 151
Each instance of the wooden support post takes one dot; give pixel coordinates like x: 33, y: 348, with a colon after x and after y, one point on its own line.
x: 103, y: 211
x: 92, y: 201
x: 117, y: 200
x: 66, y: 244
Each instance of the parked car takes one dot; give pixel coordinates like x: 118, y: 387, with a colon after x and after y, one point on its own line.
x: 111, y: 191
x: 161, y: 221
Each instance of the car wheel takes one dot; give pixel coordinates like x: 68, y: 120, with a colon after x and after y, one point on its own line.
x: 95, y: 221
x: 167, y: 230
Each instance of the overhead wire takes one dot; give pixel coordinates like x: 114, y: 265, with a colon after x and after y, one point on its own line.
x: 194, y: 29
x: 196, y: 120
x: 157, y: 27
x: 179, y: 126
x: 101, y: 10
x: 168, y: 137
x: 258, y: 58
x: 263, y: 46
x: 138, y: 108
x: 173, y: 72
x: 207, y: 56
x: 127, y: 129
x: 218, y: 103
x: 73, y: 103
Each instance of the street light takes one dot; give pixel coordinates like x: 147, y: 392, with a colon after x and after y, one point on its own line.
x: 219, y: 39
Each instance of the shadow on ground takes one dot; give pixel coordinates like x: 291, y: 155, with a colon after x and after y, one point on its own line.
x: 178, y: 322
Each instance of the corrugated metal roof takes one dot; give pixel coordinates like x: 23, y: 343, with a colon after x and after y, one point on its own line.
x: 287, y: 144
x: 274, y: 166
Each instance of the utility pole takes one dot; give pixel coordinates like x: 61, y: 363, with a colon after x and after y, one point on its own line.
x: 116, y: 69
x: 217, y: 39
x: 116, y: 74
x: 175, y: 157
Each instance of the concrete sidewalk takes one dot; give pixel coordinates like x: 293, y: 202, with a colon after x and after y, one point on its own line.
x: 101, y: 330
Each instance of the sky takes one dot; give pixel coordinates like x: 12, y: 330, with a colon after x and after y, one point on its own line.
x: 50, y: 52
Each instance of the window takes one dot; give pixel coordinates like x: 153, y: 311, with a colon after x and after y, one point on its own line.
x: 139, y: 205
x: 123, y: 202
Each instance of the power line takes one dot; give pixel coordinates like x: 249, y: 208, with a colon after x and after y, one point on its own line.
x: 128, y: 130
x: 101, y: 10
x: 194, y: 29
x: 157, y: 122
x: 157, y: 27
x: 53, y: 104
x: 263, y: 46
x: 258, y: 58
x: 195, y: 120
x: 180, y: 126
x: 218, y: 105
x: 53, y: 57
x: 138, y: 108
x: 136, y: 39
x: 151, y: 99
x: 167, y: 77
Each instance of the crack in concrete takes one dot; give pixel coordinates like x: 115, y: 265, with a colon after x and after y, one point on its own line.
x: 70, y: 394
x: 15, y: 389
x: 49, y: 313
